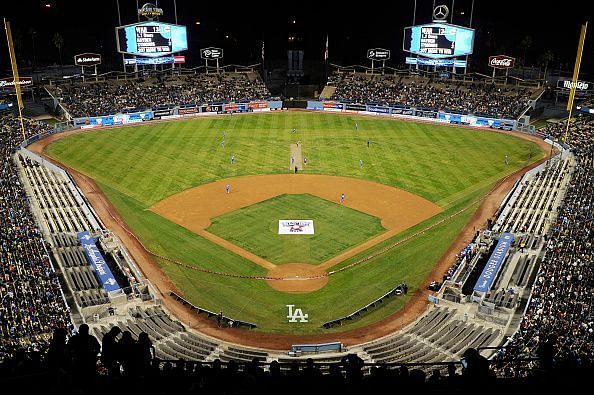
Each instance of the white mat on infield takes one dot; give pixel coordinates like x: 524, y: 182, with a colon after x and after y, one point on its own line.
x: 295, y: 227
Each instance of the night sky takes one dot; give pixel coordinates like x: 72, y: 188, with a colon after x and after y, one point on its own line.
x: 502, y: 26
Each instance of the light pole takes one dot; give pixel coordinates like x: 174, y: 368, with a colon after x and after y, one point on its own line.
x: 33, y: 32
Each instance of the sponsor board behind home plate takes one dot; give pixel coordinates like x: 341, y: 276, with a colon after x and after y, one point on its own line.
x: 295, y: 227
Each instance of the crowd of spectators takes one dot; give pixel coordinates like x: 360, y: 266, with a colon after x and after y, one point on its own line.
x: 77, y: 363
x: 111, y: 97
x: 31, y: 300
x: 559, y: 321
x: 477, y: 98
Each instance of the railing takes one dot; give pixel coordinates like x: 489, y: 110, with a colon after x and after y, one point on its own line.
x: 223, y: 320
x: 399, y: 290
x: 144, y: 73
x: 439, y: 75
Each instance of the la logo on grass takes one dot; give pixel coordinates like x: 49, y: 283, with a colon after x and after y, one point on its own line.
x: 296, y: 314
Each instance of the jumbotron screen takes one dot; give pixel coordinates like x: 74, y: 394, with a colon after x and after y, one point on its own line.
x: 438, y: 40
x: 151, y: 39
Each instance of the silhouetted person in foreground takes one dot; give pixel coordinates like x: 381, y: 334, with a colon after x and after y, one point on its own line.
x: 126, y: 348
x: 58, y: 360
x: 109, y: 351
x: 145, y: 352
x: 83, y: 349
x: 477, y: 367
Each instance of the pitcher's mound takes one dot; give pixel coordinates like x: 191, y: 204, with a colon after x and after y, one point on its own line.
x: 297, y: 278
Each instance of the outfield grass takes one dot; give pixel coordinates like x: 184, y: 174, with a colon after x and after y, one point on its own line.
x: 138, y: 166
x: 337, y: 228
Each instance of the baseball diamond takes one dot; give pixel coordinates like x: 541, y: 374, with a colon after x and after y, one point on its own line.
x: 166, y: 174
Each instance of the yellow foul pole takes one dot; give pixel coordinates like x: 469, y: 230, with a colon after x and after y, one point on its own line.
x: 576, y: 73
x: 15, y: 75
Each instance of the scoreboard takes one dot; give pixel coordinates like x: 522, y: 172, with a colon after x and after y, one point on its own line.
x: 151, y: 39
x: 438, y: 40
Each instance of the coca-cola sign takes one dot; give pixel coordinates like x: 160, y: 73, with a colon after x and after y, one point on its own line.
x: 87, y: 59
x: 502, y: 62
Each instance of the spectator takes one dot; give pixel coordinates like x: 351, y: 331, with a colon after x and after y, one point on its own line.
x: 111, y: 97
x: 110, y: 352
x: 83, y: 349
x: 479, y: 98
x: 31, y: 300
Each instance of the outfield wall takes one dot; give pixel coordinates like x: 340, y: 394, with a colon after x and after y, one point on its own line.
x: 195, y: 110
x: 413, y: 113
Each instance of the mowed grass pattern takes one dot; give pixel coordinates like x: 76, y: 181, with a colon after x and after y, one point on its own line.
x: 138, y: 166
x: 151, y: 162
x: 337, y: 228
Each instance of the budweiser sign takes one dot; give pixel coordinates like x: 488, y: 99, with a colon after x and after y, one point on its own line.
x: 502, y: 62
x: 8, y: 83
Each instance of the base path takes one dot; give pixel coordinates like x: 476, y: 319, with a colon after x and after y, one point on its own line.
x: 296, y: 158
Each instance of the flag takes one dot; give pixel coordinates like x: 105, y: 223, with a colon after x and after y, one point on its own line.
x: 326, y: 51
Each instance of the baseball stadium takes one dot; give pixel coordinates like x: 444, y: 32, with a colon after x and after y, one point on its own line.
x: 196, y: 204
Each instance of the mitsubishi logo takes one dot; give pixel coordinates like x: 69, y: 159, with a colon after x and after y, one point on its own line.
x: 441, y: 12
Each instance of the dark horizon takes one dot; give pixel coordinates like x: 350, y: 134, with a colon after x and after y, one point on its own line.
x: 531, y: 30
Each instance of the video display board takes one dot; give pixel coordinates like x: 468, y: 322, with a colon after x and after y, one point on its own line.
x: 151, y: 39
x: 438, y: 40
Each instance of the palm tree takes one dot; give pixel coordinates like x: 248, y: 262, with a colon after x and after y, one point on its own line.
x: 525, y: 44
x: 58, y: 41
x: 546, y: 57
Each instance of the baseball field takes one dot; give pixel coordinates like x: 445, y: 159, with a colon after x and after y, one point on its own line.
x: 168, y: 182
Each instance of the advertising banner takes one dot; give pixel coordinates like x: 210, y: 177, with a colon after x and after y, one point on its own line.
x: 97, y: 261
x: 379, y: 109
x: 378, y: 54
x: 258, y: 104
x: 188, y: 110
x: 149, y: 61
x: 315, y: 105
x: 275, y: 104
x: 493, y: 265
x: 8, y: 83
x: 502, y: 62
x: 236, y: 107
x: 211, y: 53
x: 355, y: 107
x: 87, y: 59
x: 211, y: 108
x: 333, y: 105
x: 436, y: 62
x: 162, y: 112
